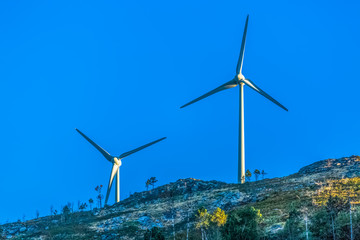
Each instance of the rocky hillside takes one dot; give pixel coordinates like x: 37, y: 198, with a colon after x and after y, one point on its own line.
x: 130, y: 218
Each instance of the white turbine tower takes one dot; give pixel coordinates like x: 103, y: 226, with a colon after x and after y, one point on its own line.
x: 116, y: 161
x: 239, y: 79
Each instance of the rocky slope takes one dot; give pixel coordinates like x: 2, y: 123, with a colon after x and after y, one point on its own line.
x: 130, y: 218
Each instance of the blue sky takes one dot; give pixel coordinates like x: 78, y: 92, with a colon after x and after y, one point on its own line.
x: 119, y: 71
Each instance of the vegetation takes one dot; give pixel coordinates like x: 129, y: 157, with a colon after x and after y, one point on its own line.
x: 99, y: 195
x: 248, y: 175
x: 263, y: 173
x: 327, y: 210
x: 256, y: 174
x: 147, y: 184
x: 335, y: 199
x: 243, y: 224
x: 210, y: 224
x: 153, y: 180
x: 91, y: 202
x: 154, y: 234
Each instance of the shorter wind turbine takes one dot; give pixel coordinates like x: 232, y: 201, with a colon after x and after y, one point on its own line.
x: 116, y: 161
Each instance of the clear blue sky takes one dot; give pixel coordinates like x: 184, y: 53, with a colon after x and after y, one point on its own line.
x: 119, y: 71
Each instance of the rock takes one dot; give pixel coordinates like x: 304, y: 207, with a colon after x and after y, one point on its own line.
x: 275, y: 228
x: 13, y: 231
x: 23, y: 229
x: 144, y: 220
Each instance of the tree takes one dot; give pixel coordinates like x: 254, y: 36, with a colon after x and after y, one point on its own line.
x: 333, y: 206
x: 171, y: 208
x: 153, y: 180
x: 82, y: 206
x: 91, y: 201
x: 257, y: 174
x: 320, y: 226
x: 263, y: 173
x: 37, y: 214
x: 242, y: 224
x: 147, y: 184
x: 293, y: 227
x: 154, y: 233
x: 248, y: 175
x: 99, y: 195
x: 218, y: 219
x: 338, y: 195
x: 66, y: 212
x: 203, y: 221
x: 52, y: 210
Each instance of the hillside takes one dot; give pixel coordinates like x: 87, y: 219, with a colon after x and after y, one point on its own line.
x: 130, y: 218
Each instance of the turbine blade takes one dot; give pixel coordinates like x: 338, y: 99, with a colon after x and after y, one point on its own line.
x: 257, y: 89
x: 114, y: 170
x: 100, y: 149
x: 242, y: 49
x: 140, y: 148
x: 230, y: 84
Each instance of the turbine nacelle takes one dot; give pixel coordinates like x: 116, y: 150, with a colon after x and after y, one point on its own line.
x: 117, y: 161
x: 240, y: 78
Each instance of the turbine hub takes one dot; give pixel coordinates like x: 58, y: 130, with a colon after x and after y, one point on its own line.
x: 117, y: 161
x: 240, y: 77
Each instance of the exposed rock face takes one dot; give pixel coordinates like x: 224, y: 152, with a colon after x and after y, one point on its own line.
x: 344, y: 167
x: 130, y: 218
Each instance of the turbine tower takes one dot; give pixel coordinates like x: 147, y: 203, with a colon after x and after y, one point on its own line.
x: 116, y: 161
x: 240, y: 80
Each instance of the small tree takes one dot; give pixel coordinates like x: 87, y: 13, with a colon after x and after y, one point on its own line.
x: 263, y: 173
x: 257, y: 174
x: 82, y: 206
x: 153, y: 180
x: 51, y: 210
x: 37, y: 214
x: 203, y: 221
x: 242, y: 224
x: 154, y: 233
x: 293, y: 228
x: 218, y: 219
x: 248, y: 175
x: 91, y: 201
x: 147, y: 184
x: 99, y: 195
x: 66, y: 211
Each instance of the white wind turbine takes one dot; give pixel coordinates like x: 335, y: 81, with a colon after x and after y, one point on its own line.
x: 239, y: 79
x: 116, y: 161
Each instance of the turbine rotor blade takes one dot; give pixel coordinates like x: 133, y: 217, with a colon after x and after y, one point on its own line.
x: 242, y: 49
x: 140, y: 148
x: 100, y: 149
x: 259, y: 90
x: 114, y: 170
x: 230, y: 84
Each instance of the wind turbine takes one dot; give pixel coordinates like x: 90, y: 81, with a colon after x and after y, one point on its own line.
x: 240, y: 80
x: 116, y: 161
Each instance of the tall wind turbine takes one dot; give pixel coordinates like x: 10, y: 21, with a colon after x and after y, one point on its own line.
x: 240, y: 80
x: 116, y: 161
